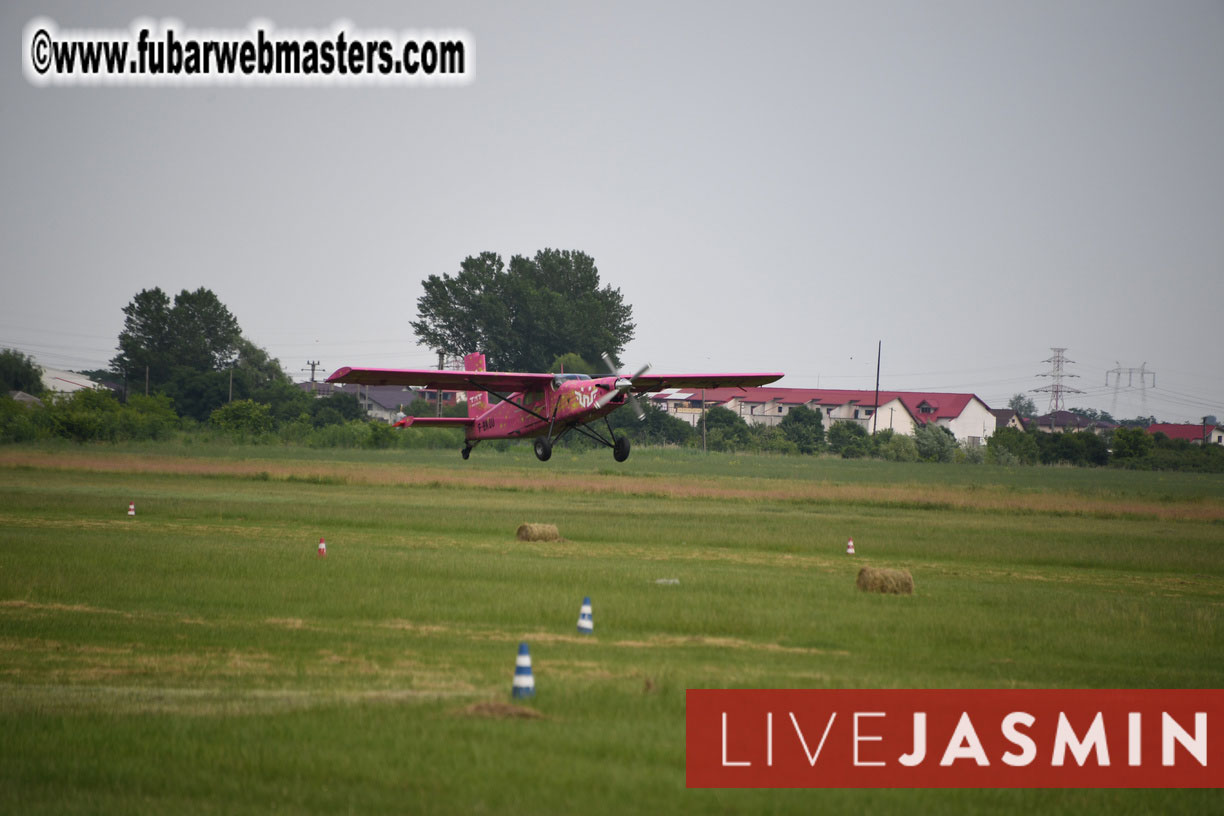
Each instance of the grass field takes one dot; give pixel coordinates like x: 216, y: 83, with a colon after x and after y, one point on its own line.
x: 200, y: 658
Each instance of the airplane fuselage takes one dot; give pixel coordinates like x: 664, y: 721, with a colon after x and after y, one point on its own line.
x: 557, y: 405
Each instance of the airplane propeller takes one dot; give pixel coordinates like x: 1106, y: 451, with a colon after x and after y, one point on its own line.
x: 622, y: 385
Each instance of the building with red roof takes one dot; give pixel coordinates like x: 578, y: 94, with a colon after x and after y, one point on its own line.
x: 965, y: 415
x: 1198, y: 434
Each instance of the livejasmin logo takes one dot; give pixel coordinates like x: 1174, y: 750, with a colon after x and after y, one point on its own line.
x: 953, y: 738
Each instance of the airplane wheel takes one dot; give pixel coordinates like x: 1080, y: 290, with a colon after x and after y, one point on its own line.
x: 466, y: 453
x: 543, y: 448
x: 620, y: 451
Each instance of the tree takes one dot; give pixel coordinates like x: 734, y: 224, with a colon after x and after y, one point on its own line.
x: 144, y: 343
x: 242, y: 417
x: 805, y: 428
x: 726, y: 430
x: 524, y: 317
x: 1093, y: 415
x: 19, y: 372
x: 206, y: 335
x: 193, y: 350
x: 335, y: 410
x: 1022, y: 405
x: 849, y: 438
x: 1009, y: 446
x: 657, y: 427
x: 935, y: 443
x: 897, y: 448
x: 571, y: 363
x: 1131, y: 443
x: 198, y: 333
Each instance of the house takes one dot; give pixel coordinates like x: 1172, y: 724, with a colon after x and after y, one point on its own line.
x: 1068, y: 422
x: 23, y: 397
x: 1210, y: 434
x: 966, y: 416
x: 384, y: 402
x: 65, y: 382
x: 1007, y: 418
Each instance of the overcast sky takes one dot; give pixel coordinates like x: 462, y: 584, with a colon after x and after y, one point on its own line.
x: 772, y: 186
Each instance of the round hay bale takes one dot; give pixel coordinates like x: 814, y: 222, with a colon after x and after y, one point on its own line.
x: 538, y: 532
x: 889, y: 581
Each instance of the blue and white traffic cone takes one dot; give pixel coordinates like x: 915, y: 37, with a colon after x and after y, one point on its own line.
x: 586, y: 624
x: 524, y: 681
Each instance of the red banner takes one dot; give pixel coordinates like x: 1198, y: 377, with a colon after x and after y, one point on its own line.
x: 951, y: 738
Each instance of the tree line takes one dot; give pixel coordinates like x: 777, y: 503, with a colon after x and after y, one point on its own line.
x: 185, y: 367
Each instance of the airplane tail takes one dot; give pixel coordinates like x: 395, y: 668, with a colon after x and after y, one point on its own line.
x: 477, y: 401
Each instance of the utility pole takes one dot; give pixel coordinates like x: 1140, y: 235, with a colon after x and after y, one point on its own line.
x: 313, y: 365
x: 703, y: 425
x: 441, y: 366
x: 875, y: 411
x: 1058, y: 373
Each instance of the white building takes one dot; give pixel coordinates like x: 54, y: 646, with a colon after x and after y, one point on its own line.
x: 965, y: 415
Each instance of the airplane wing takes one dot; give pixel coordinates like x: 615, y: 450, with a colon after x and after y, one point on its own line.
x: 657, y: 382
x: 437, y: 422
x: 500, y: 381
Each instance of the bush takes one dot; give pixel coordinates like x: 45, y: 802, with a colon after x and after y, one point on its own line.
x: 804, y: 428
x: 20, y: 422
x: 149, y: 417
x: 767, y: 439
x: 243, y: 418
x: 1011, y: 446
x: 846, y: 434
x: 1131, y: 443
x: 84, y: 416
x: 897, y: 448
x: 935, y: 443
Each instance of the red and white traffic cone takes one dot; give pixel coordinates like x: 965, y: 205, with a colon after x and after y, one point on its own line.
x: 131, y: 508
x: 850, y: 547
x: 322, y: 548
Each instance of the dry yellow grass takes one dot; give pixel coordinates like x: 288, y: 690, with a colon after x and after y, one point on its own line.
x: 993, y: 498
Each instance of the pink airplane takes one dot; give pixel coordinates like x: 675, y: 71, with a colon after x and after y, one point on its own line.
x: 544, y: 406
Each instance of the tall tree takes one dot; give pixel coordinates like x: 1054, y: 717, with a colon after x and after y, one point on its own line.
x: 206, y: 335
x: 198, y: 332
x: 1023, y: 405
x: 146, y: 340
x: 188, y: 350
x: 525, y: 316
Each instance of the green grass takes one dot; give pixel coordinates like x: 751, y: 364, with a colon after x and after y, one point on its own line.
x: 201, y: 658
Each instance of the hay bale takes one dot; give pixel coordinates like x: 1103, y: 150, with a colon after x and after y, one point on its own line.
x: 538, y: 532
x: 891, y: 581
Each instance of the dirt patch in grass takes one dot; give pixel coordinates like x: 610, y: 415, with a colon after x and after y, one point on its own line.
x: 674, y: 641
x: 114, y: 699
x: 490, y: 710
x: 287, y: 623
x: 58, y: 607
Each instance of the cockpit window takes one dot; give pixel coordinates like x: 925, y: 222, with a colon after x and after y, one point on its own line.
x: 566, y: 377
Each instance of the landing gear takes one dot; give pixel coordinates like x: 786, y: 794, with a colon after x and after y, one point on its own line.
x: 543, y: 448
x: 466, y: 452
x: 620, y: 450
